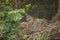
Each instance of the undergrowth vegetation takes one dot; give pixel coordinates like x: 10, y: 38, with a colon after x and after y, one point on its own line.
x: 10, y: 17
x: 9, y: 24
x: 43, y: 37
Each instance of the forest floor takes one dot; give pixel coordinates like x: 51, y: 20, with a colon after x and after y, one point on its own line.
x: 34, y: 27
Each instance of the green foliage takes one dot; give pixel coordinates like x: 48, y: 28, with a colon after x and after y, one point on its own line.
x: 43, y: 37
x: 6, y: 5
x: 9, y: 20
x: 9, y: 23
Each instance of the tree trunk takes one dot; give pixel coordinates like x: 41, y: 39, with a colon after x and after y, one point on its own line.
x: 59, y: 6
x: 17, y: 4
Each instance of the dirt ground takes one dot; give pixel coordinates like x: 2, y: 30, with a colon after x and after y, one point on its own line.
x: 33, y: 27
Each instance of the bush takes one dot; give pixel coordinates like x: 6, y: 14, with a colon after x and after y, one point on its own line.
x: 9, y: 24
